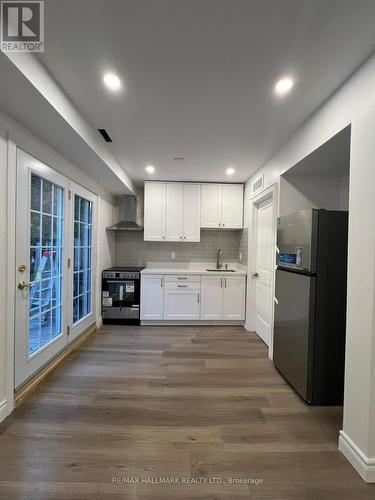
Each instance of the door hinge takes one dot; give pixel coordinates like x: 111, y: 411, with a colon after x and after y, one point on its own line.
x: 68, y: 330
x: 68, y: 262
x: 70, y: 194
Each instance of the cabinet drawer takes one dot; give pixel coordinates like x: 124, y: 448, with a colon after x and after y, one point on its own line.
x: 182, y: 277
x: 182, y: 285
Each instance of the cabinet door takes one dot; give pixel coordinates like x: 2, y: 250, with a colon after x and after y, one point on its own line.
x: 155, y: 211
x: 212, y: 297
x: 232, y: 206
x: 152, y: 297
x: 211, y: 205
x: 192, y: 212
x: 234, y: 298
x: 174, y: 211
x: 181, y: 304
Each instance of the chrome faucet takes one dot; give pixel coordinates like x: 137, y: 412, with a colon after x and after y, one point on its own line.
x: 219, y: 259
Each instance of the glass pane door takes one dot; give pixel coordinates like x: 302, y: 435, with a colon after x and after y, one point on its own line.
x: 41, y: 271
x: 46, y: 279
x: 82, y: 258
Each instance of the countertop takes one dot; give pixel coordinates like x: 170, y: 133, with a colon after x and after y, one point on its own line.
x: 192, y: 269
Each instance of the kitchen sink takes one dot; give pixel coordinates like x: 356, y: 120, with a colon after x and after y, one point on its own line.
x: 221, y: 270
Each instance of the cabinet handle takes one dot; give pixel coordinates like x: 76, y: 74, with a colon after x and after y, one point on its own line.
x: 182, y: 277
x: 180, y: 237
x: 225, y: 281
x: 161, y: 282
x: 219, y: 223
x: 223, y: 223
x: 184, y: 237
x: 182, y: 286
x: 198, y: 298
x: 221, y: 282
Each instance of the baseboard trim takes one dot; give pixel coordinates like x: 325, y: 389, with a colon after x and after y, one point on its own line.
x: 40, y: 377
x: 363, y: 465
x: 191, y: 323
x: 99, y: 322
x: 4, y: 409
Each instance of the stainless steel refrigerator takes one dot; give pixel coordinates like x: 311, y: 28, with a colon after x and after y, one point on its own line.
x: 310, y: 310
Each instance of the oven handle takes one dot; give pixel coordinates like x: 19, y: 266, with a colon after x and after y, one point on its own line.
x: 121, y: 281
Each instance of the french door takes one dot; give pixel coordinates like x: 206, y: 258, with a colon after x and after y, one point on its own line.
x: 82, y: 261
x: 55, y: 260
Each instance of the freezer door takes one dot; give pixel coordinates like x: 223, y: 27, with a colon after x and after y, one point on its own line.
x: 294, y: 329
x: 297, y: 234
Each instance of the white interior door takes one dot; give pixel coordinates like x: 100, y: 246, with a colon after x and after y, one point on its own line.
x: 82, y: 260
x: 41, y: 256
x: 264, y: 270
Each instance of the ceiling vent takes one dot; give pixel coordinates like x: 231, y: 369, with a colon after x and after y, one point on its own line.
x: 257, y: 185
x: 104, y: 134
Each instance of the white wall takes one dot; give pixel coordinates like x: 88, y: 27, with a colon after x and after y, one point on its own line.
x: 299, y: 192
x: 13, y: 135
x: 3, y: 288
x: 107, y: 215
x: 347, y: 106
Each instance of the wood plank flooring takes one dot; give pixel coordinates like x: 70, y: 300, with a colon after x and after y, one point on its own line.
x: 202, y: 405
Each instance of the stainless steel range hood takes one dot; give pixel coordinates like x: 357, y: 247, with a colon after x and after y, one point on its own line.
x: 129, y: 209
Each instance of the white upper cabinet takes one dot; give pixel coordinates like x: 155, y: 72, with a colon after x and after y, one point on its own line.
x: 155, y: 211
x: 192, y: 212
x: 222, y: 206
x: 175, y: 212
x: 232, y: 206
x: 211, y: 205
x: 172, y: 211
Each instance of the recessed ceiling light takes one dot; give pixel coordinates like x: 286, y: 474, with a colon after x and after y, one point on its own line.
x: 150, y: 169
x: 230, y: 171
x: 112, y: 82
x: 283, y: 86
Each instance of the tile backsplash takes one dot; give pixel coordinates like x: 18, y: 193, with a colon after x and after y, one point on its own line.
x: 132, y: 250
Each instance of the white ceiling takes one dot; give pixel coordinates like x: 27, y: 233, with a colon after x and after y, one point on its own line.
x: 199, y: 74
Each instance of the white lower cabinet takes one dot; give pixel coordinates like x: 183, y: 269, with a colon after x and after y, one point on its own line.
x: 212, y: 297
x: 181, y: 304
x: 223, y: 298
x: 184, y: 298
x: 152, y: 297
x: 234, y: 298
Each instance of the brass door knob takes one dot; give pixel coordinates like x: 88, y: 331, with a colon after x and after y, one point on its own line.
x: 22, y: 268
x: 22, y: 285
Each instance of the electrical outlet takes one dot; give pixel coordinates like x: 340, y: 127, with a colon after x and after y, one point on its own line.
x: 173, y: 255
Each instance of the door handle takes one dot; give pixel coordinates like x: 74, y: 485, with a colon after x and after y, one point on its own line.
x: 22, y: 285
x: 255, y: 275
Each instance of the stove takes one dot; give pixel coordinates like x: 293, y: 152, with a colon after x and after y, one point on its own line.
x: 121, y: 293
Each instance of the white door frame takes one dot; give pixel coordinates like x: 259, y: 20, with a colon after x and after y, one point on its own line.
x: 272, y: 193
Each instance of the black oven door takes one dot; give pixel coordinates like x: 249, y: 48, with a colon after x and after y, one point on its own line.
x: 120, y: 300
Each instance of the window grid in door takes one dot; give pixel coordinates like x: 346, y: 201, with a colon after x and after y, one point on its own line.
x: 82, y: 258
x: 46, y: 248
